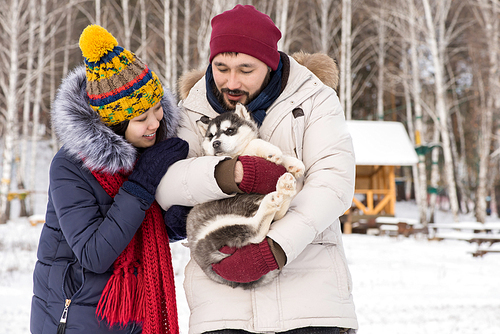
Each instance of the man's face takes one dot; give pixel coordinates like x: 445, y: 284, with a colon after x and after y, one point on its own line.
x: 238, y: 78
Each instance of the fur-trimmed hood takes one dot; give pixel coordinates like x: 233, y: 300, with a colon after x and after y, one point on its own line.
x: 322, y: 65
x: 84, y: 136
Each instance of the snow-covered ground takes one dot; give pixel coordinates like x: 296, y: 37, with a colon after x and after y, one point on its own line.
x: 401, y: 285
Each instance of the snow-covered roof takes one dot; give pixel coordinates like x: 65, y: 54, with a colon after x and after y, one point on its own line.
x: 381, y: 143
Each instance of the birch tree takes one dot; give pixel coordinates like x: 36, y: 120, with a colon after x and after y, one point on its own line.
x: 186, y: 35
x: 410, y: 124
x: 174, y: 31
x: 207, y: 12
x: 486, y: 13
x: 405, y: 20
x: 359, y: 58
x: 144, y: 25
x: 37, y: 103
x: 97, y: 12
x: 345, y: 59
x: 10, y: 21
x: 168, y: 41
x: 419, y: 127
x: 381, y: 54
x: 282, y: 23
x: 437, y: 45
x: 410, y: 16
x: 127, y: 26
x: 21, y: 174
x: 325, y: 22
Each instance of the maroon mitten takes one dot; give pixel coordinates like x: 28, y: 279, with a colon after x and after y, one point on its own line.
x: 246, y: 264
x: 259, y: 175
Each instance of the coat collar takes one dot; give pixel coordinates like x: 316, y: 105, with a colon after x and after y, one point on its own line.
x: 85, y: 137
x: 324, y: 67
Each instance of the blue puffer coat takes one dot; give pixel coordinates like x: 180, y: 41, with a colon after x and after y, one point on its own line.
x: 85, y: 229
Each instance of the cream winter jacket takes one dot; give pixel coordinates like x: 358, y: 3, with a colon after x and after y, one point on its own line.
x: 314, y: 287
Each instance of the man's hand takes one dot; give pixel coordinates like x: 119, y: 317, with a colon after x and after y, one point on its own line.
x: 246, y: 264
x: 238, y: 172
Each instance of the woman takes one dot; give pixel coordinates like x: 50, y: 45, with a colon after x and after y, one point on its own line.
x: 104, y: 262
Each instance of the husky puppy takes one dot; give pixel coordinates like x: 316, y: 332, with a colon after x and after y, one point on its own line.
x: 235, y: 133
x: 245, y: 218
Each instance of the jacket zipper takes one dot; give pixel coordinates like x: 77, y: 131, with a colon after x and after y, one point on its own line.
x: 62, y: 323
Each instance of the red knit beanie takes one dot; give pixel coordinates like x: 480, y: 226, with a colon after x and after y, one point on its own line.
x: 244, y: 29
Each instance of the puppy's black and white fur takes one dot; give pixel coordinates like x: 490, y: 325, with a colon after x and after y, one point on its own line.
x: 245, y: 218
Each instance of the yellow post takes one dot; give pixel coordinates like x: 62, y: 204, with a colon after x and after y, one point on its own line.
x: 392, y: 190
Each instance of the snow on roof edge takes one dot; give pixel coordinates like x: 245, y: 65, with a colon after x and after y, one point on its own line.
x: 381, y: 143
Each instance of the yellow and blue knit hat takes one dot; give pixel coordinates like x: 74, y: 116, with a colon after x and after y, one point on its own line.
x: 119, y: 85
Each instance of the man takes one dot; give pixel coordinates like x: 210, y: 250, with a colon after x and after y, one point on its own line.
x: 300, y: 114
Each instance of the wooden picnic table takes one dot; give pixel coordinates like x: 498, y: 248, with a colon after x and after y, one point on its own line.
x: 398, y: 226
x: 467, y: 226
x: 395, y: 220
x: 473, y: 232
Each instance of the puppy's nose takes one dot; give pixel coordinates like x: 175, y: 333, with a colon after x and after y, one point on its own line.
x: 216, y: 144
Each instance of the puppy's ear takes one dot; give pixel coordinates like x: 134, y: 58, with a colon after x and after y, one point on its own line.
x: 203, y: 124
x: 242, y: 111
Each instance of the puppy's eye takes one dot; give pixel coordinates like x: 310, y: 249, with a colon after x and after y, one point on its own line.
x: 210, y: 135
x: 230, y: 131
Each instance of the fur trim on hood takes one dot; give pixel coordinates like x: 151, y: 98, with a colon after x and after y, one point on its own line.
x: 322, y: 65
x: 84, y: 136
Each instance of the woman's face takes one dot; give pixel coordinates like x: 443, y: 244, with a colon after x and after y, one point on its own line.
x: 141, y: 130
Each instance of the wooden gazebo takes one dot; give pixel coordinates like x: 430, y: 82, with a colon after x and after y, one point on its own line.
x: 380, y: 148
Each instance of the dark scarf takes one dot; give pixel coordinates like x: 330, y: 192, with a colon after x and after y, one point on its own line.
x: 259, y: 105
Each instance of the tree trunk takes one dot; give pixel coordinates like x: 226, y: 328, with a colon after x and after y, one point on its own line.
x: 419, y: 127
x: 98, y: 12
x: 442, y: 111
x: 324, y: 31
x: 381, y: 65
x: 490, y: 16
x: 22, y: 176
x: 144, y: 34
x: 168, y: 47
x: 205, y: 30
x: 434, y: 176
x: 174, y: 33
x: 127, y: 29
x: 345, y: 60
x: 187, y: 32
x: 11, y: 104
x: 411, y: 128
x: 282, y: 23
x: 38, y: 99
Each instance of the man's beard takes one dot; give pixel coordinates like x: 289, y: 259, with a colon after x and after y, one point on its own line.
x: 231, y: 105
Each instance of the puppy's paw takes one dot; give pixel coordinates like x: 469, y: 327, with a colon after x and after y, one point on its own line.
x: 271, y: 202
x: 286, y: 185
x: 276, y: 158
x: 294, y: 166
x: 276, y: 199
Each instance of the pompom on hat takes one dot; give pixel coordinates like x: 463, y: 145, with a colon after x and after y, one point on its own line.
x: 119, y: 85
x: 244, y: 29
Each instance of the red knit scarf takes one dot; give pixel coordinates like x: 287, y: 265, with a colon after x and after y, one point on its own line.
x: 141, y: 288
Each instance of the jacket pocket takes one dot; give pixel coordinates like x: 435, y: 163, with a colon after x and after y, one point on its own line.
x: 72, y: 282
x: 328, y: 236
x: 298, y: 130
x: 73, y: 279
x: 341, y: 271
